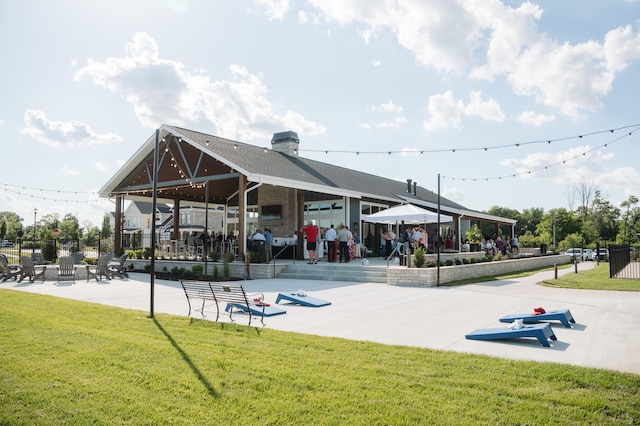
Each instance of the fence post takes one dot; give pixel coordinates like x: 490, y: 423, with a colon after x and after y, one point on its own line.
x: 555, y: 271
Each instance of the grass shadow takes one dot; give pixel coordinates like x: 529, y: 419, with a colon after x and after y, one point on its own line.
x: 186, y: 359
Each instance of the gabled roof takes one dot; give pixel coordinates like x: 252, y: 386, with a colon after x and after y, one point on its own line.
x: 145, y: 207
x: 188, y: 159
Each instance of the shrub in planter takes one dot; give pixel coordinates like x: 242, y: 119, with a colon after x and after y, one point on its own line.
x: 226, y: 271
x: 214, y: 255
x: 229, y: 257
x: 457, y: 261
x: 466, y: 261
x: 147, y: 267
x: 474, y: 260
x: 497, y: 256
x: 448, y: 262
x: 419, y: 257
x: 431, y: 263
x: 216, y: 273
x: 198, y: 270
x: 146, y: 253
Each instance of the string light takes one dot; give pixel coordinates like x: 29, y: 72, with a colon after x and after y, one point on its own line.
x: 484, y: 148
x: 546, y: 167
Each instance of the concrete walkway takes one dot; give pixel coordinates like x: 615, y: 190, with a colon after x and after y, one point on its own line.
x: 605, y: 334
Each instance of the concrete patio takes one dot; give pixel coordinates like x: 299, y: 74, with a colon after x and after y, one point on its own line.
x: 605, y: 334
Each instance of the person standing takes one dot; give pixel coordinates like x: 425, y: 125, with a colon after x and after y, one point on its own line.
x: 515, y: 244
x: 343, y: 238
x: 269, y: 244
x: 330, y: 236
x: 312, y: 241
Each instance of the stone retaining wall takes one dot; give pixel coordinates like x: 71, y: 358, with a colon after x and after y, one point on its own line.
x: 398, y: 275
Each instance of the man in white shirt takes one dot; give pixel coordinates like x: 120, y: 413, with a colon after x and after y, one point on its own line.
x: 330, y: 237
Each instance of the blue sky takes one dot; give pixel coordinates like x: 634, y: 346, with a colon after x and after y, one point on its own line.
x: 84, y: 84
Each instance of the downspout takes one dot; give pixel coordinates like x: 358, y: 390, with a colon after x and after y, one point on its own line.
x: 244, y: 213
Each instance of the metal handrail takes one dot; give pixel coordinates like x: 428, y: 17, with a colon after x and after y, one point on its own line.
x: 279, y: 253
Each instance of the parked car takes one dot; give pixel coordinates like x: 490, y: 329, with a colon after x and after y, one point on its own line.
x: 602, y: 254
x: 7, y: 243
x: 578, y: 253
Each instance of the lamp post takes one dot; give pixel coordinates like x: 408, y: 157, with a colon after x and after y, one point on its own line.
x: 35, y: 216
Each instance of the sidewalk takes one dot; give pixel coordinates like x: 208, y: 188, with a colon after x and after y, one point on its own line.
x: 605, y: 334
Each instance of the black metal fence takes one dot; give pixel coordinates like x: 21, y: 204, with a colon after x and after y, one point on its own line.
x: 53, y: 249
x: 623, y: 262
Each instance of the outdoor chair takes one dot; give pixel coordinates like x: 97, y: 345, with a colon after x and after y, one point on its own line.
x: 119, y: 267
x: 77, y: 257
x: 31, y: 270
x: 37, y: 258
x: 66, y: 269
x: 100, y: 269
x: 8, y: 271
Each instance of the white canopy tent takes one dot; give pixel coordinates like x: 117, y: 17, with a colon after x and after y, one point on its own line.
x: 407, y: 213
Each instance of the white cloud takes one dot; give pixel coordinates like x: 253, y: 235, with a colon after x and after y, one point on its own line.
x: 163, y: 91
x: 376, y: 63
x: 59, y: 133
x: 535, y: 119
x: 275, y: 9
x: 388, y: 107
x: 398, y: 122
x: 487, y: 110
x: 490, y: 39
x: 67, y: 171
x: 446, y: 111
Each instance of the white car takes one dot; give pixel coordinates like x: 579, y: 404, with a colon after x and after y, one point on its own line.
x: 578, y: 253
x: 602, y: 253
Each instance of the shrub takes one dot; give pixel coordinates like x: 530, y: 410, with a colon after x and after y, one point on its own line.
x: 229, y: 257
x: 198, y: 270
x: 146, y: 253
x: 226, y: 271
x: 448, y: 262
x: 466, y: 261
x: 214, y: 255
x: 457, y: 261
x: 474, y: 260
x: 497, y: 256
x: 419, y: 257
x: 431, y: 263
x: 216, y: 273
x: 147, y: 267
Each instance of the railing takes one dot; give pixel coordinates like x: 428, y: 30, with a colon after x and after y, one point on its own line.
x: 282, y: 250
x: 621, y: 264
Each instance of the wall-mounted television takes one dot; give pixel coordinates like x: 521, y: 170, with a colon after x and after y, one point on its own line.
x: 271, y: 212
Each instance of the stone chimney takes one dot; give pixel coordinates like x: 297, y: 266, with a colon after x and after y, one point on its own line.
x: 286, y: 143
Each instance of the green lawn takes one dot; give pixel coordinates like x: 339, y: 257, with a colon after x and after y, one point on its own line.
x: 69, y: 362
x: 596, y: 278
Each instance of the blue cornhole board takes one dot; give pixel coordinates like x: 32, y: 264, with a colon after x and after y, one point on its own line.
x: 562, y: 315
x: 302, y: 300
x: 269, y: 311
x: 542, y: 332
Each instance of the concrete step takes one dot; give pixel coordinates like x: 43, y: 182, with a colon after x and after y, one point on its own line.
x: 334, y: 272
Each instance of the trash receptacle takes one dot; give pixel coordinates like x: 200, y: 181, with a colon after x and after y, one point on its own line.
x: 543, y: 249
x: 259, y: 247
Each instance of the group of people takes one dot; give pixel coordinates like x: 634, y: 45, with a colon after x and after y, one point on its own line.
x: 416, y: 237
x: 342, y: 245
x: 505, y: 246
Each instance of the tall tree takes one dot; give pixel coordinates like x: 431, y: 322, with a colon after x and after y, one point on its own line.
x: 601, y: 223
x: 630, y: 224
x: 105, y: 232
x: 14, y: 224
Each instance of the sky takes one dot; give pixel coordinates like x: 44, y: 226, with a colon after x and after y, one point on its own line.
x: 497, y: 103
